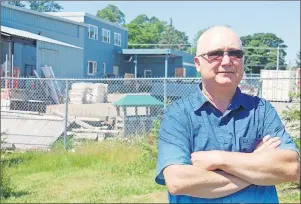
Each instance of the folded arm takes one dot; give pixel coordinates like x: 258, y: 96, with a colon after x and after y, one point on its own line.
x: 174, y: 165
x: 265, y: 168
x: 193, y: 181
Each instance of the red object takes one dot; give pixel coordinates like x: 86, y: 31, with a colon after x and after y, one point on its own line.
x: 16, y: 74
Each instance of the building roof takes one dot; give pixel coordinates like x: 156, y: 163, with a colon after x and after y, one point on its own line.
x: 42, y: 14
x: 138, y: 100
x: 145, y: 51
x: 82, y: 14
x: 29, y: 35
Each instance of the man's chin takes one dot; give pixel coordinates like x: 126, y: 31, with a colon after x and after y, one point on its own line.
x: 225, y: 82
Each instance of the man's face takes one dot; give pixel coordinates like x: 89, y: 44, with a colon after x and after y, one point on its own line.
x: 218, y: 67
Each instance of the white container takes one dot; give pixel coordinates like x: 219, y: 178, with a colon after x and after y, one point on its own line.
x: 277, y: 84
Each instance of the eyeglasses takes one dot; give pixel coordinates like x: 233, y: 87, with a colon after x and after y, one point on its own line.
x: 219, y: 54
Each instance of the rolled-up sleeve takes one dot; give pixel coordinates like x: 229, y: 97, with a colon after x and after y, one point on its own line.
x: 273, y: 126
x: 173, y: 141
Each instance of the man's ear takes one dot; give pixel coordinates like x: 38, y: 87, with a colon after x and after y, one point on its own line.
x: 197, y: 63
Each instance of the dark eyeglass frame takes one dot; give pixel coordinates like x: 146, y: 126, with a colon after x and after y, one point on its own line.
x: 219, y: 54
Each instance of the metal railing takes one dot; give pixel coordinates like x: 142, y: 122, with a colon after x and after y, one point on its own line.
x: 43, y: 112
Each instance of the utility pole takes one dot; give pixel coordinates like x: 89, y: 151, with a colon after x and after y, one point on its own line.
x: 278, y: 53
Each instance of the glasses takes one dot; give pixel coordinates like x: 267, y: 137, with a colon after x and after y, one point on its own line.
x: 219, y: 54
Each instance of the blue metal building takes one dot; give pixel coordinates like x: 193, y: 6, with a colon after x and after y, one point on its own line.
x: 102, y: 40
x: 33, y: 39
x: 78, y: 44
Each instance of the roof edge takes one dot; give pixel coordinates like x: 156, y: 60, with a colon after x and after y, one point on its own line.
x: 82, y: 14
x: 105, y: 21
x: 44, y: 14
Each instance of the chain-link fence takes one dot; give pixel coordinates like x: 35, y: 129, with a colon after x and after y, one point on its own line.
x: 43, y: 112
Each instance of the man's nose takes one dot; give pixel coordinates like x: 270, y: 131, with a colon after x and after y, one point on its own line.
x: 226, y: 60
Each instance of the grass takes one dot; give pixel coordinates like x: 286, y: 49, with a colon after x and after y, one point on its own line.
x: 110, y: 171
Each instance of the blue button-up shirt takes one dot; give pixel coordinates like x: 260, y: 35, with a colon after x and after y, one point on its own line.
x: 193, y: 124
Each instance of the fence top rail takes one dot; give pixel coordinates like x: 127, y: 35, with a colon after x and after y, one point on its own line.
x: 136, y: 79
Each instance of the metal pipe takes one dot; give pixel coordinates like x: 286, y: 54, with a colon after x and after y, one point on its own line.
x: 6, y: 61
x: 278, y: 53
x: 12, y: 71
x: 66, y: 114
x: 165, y: 80
x: 136, y: 62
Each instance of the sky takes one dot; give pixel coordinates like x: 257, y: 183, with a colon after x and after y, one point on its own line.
x: 245, y: 17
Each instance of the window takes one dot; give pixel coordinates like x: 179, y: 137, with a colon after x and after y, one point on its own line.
x: 104, y: 69
x: 117, y: 39
x: 93, y: 32
x: 105, y: 36
x: 92, y: 67
x: 147, y: 73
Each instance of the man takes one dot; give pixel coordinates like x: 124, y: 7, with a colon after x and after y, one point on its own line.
x: 219, y: 145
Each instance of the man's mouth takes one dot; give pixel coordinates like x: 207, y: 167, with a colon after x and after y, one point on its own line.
x: 226, y: 72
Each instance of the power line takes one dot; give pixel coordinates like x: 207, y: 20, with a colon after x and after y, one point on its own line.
x: 261, y: 48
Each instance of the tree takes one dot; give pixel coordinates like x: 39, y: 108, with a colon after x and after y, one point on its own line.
x: 298, y: 60
x: 16, y: 3
x: 45, y: 6
x: 256, y: 59
x: 172, y: 36
x: 112, y: 13
x: 144, y: 30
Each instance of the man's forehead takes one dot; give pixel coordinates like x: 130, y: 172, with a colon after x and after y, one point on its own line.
x: 221, y: 44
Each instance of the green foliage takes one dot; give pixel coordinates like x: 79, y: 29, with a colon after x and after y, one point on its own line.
x: 6, y: 187
x: 45, y: 6
x: 256, y: 59
x: 59, y: 144
x: 16, y: 3
x: 119, y: 170
x: 292, y: 115
x: 298, y: 60
x: 171, y: 36
x: 144, y: 30
x: 112, y: 13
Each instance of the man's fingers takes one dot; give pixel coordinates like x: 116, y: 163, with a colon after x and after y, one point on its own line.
x: 266, y: 138
x: 275, y: 144
x: 270, y: 142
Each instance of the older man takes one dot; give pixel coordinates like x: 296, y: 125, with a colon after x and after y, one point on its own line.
x: 218, y: 144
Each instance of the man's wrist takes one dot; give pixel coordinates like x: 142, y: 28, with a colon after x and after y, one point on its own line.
x: 221, y: 159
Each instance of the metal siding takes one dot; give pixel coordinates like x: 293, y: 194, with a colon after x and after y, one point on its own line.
x: 50, y: 58
x: 52, y: 28
x: 190, y: 71
x: 18, y: 56
x: 96, y: 50
x: 30, y: 35
x: 66, y: 61
x: 156, y: 64
x: 175, y: 62
x: 145, y: 51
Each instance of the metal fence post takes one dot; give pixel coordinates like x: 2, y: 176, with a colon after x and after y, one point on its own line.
x: 6, y: 69
x: 165, y: 94
x: 66, y: 114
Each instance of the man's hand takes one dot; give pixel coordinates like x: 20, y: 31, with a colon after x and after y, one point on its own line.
x: 208, y: 160
x: 267, y: 143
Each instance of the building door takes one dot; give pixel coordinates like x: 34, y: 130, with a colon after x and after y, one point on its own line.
x: 180, y: 72
x: 116, y: 71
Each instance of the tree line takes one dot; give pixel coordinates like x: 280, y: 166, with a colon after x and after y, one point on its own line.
x: 261, y: 49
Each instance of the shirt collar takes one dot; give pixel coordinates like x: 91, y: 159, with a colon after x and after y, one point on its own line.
x: 239, y: 99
